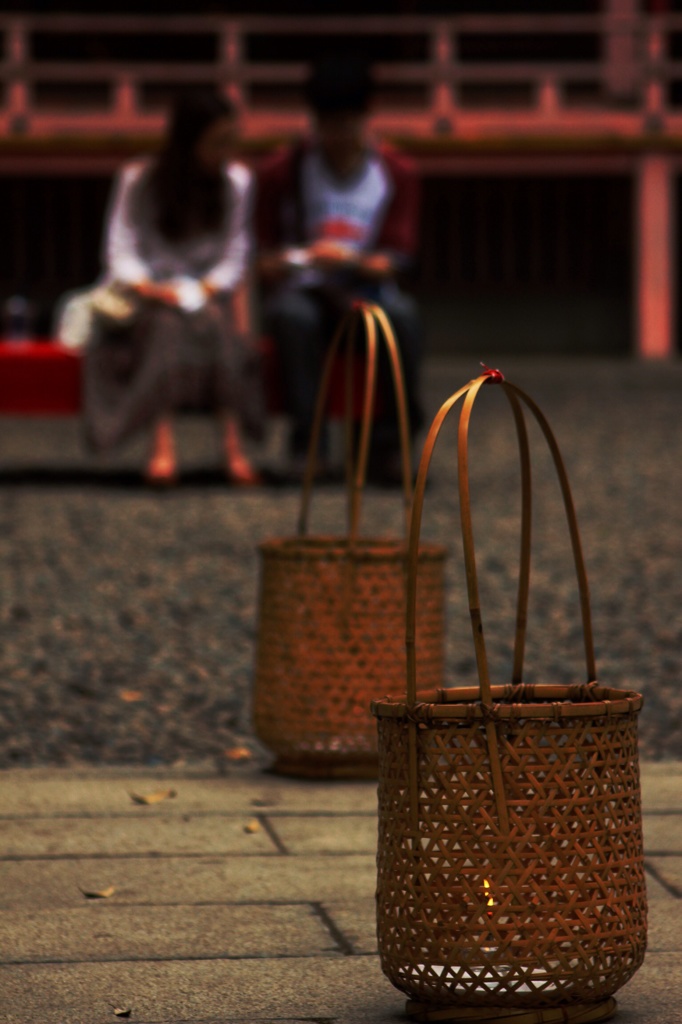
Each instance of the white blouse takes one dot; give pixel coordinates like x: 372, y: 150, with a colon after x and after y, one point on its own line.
x: 136, y: 251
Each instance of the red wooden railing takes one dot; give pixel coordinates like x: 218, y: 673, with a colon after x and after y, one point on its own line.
x: 617, y: 71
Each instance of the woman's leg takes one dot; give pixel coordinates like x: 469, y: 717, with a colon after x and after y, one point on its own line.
x: 238, y: 467
x: 162, y: 468
x: 132, y: 378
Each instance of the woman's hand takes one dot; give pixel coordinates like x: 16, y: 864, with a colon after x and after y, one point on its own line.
x: 186, y: 293
x: 210, y: 291
x: 159, y: 290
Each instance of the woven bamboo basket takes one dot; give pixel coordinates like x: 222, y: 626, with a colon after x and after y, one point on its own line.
x: 510, y: 865
x: 332, y: 608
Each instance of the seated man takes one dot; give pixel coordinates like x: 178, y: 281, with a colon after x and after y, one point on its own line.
x: 337, y: 220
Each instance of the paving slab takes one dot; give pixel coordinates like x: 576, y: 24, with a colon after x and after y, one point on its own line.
x: 249, y: 832
x: 669, y: 870
x: 665, y: 927
x: 654, y: 995
x: 656, y: 889
x: 121, y: 837
x: 31, y: 791
x: 356, y: 920
x: 343, y: 989
x: 206, y: 926
x: 108, y: 931
x: 330, y: 835
x: 662, y: 833
x: 34, y: 884
x: 661, y: 786
x: 26, y: 792
x: 350, y: 990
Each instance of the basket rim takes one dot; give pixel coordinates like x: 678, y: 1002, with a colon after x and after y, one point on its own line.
x: 522, y: 700
x: 331, y: 545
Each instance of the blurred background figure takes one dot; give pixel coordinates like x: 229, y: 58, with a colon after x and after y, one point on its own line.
x: 337, y: 220
x: 177, y: 249
x: 551, y: 220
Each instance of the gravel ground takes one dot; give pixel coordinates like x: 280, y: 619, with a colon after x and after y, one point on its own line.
x: 127, y: 617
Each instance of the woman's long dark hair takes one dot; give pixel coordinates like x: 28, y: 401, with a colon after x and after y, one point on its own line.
x: 188, y: 200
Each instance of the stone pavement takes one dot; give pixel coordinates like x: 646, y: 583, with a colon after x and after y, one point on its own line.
x: 242, y: 898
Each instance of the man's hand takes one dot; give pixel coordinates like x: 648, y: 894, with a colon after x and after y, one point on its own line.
x: 323, y: 254
x: 377, y: 265
x: 330, y: 255
x: 326, y: 255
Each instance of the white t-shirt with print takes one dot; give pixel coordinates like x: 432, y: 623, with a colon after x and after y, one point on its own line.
x: 350, y: 211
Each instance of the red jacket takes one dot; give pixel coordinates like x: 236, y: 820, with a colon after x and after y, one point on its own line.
x: 279, y: 209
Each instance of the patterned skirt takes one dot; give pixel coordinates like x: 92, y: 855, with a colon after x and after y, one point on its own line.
x: 166, y: 361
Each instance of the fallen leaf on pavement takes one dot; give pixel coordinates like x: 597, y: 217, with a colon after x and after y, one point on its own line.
x: 130, y: 696
x: 118, y: 1012
x: 153, y: 798
x: 99, y: 894
x: 253, y: 826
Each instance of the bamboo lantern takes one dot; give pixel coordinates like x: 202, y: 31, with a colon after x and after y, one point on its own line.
x: 332, y: 608
x: 510, y: 866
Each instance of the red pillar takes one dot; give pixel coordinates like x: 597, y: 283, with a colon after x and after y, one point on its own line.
x: 656, y: 271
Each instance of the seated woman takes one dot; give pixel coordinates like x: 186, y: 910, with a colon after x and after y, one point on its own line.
x: 177, y: 243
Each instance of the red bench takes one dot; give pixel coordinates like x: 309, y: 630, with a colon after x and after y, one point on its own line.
x: 43, y: 378
x: 39, y: 378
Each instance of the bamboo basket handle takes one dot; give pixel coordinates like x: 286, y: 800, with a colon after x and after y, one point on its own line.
x: 578, y: 558
x: 514, y: 394
x: 525, y: 548
x: 371, y: 317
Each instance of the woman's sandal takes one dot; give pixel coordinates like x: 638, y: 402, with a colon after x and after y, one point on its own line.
x: 241, y: 473
x: 161, y: 472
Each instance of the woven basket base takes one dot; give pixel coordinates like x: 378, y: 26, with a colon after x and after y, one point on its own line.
x: 320, y: 768
x: 580, y: 1013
